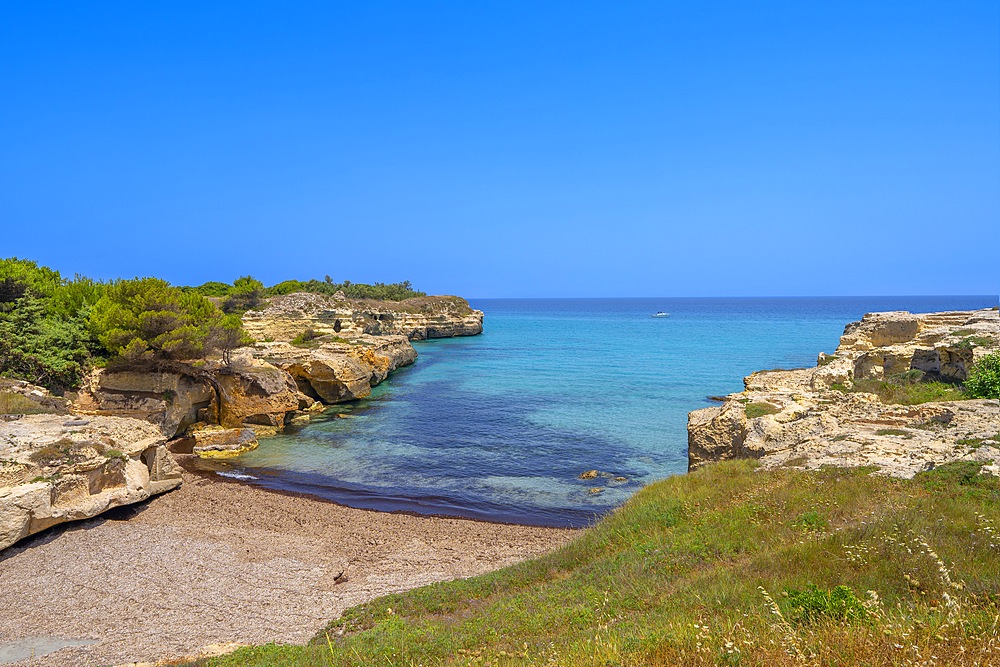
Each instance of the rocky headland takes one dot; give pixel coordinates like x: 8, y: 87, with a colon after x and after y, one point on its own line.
x: 289, y: 316
x: 111, y: 443
x: 837, y: 413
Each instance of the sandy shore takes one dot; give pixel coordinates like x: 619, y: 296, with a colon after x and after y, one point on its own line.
x: 216, y: 562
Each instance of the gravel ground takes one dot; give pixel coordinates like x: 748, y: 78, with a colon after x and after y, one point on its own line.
x: 223, y: 563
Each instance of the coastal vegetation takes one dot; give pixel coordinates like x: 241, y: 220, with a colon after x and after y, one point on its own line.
x: 908, y: 388
x: 53, y: 330
x: 728, y: 565
x: 759, y: 409
x: 984, y: 378
x: 248, y: 292
x: 145, y: 320
x: 12, y: 403
x: 913, y: 387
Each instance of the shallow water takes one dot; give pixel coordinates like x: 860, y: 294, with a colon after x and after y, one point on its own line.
x: 500, y: 426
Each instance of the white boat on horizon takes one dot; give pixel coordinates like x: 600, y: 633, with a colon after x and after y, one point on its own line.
x: 660, y: 314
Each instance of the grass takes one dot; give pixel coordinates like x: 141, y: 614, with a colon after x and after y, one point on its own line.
x: 970, y: 342
x: 66, y: 450
x: 976, y: 443
x: 307, y: 338
x: 906, y: 389
x: 754, y: 410
x: 15, y: 404
x: 724, y: 566
x: 894, y: 431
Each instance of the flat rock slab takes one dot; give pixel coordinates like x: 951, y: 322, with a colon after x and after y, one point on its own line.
x: 217, y: 562
x: 36, y: 647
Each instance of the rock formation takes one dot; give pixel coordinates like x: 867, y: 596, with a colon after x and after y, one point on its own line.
x: 332, y: 372
x: 810, y: 417
x: 55, y: 468
x: 343, y: 348
x: 251, y: 392
x: 218, y: 442
x: 289, y: 316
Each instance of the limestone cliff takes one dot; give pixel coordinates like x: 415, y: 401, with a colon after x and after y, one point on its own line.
x: 249, y: 392
x: 56, y: 468
x: 332, y: 372
x: 809, y: 417
x: 350, y: 347
x: 286, y: 317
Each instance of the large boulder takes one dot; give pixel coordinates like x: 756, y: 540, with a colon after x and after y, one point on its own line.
x: 55, y: 468
x: 217, y: 442
x: 258, y: 394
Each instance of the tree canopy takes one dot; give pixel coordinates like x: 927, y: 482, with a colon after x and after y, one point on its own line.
x: 52, y: 330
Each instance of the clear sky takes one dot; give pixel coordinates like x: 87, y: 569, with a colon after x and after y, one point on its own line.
x: 504, y: 149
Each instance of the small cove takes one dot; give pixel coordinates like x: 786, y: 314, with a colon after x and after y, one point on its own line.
x: 500, y: 426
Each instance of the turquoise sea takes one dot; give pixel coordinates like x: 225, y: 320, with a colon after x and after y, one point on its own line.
x: 500, y: 426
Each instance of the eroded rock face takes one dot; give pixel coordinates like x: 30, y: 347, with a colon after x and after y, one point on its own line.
x: 286, y: 317
x: 252, y: 392
x: 171, y: 401
x: 55, y: 468
x: 336, y: 372
x: 805, y: 422
x: 257, y: 394
x: 944, y: 344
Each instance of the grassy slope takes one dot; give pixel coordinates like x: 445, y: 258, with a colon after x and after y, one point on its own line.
x: 673, y: 577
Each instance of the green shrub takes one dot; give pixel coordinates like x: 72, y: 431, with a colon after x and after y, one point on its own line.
x: 146, y: 320
x: 984, y: 377
x: 19, y: 277
x: 970, y: 342
x: 307, y: 338
x: 44, y: 337
x: 246, y: 294
x: 813, y: 603
x: 44, y: 348
x: 378, y: 291
x: 211, y: 288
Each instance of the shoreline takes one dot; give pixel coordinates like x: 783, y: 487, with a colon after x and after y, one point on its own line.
x: 185, y: 461
x: 230, y: 564
x: 191, y: 463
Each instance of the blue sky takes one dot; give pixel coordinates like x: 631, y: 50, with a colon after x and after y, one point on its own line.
x: 504, y: 149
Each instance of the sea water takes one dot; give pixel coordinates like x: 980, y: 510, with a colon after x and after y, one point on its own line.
x: 501, y: 426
